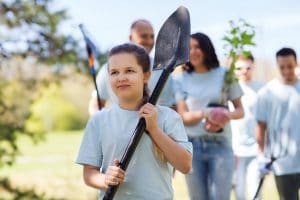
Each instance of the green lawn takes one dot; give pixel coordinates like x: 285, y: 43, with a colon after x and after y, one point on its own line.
x: 49, y: 168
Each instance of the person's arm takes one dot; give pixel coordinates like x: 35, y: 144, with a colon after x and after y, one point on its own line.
x: 94, y: 178
x: 188, y: 117
x: 238, y: 111
x: 260, y: 135
x: 179, y: 157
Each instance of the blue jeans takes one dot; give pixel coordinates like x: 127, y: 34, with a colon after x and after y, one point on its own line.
x: 211, y: 175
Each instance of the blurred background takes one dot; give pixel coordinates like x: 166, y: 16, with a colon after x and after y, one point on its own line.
x: 45, y: 83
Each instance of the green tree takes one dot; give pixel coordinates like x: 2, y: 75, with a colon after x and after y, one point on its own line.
x: 32, y: 29
x: 29, y: 28
x: 238, y: 41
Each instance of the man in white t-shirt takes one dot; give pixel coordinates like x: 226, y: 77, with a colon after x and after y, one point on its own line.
x: 278, y: 125
x: 243, y: 132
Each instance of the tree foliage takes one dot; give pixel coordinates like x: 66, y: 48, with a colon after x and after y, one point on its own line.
x: 32, y: 28
x: 15, y: 99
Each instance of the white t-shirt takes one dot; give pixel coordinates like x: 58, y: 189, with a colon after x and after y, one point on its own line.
x: 106, y: 136
x: 198, y: 90
x: 243, y: 130
x: 278, y: 105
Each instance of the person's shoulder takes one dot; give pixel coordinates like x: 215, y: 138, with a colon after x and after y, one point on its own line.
x: 268, y: 87
x: 166, y: 111
x: 218, y: 71
x: 100, y: 114
x: 256, y: 85
x: 297, y: 86
x: 103, y: 71
x: 180, y: 76
x: 273, y: 84
x: 104, y: 66
x: 298, y: 83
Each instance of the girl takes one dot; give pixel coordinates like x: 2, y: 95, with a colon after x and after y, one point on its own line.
x: 207, y: 127
x: 108, y: 132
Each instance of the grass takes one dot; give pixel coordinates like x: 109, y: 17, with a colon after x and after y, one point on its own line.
x: 49, y: 168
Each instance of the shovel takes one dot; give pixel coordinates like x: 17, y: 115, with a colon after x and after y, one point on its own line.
x: 171, y: 50
x: 92, y: 53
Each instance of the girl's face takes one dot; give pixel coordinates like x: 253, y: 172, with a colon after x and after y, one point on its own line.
x: 196, y: 54
x: 127, y: 77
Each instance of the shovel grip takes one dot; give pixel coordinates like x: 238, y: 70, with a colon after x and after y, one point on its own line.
x: 110, y: 192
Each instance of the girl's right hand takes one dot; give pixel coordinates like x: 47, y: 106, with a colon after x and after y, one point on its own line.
x: 114, y: 174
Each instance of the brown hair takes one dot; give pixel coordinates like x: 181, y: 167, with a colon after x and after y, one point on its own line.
x: 210, y: 58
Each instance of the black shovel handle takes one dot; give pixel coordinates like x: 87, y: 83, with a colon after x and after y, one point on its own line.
x: 140, y: 129
x: 261, y: 181
x: 138, y: 133
x: 97, y: 92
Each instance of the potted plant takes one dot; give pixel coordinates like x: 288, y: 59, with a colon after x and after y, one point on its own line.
x: 238, y: 40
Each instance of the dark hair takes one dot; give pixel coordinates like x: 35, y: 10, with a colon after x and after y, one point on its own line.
x: 247, y: 57
x: 286, y: 52
x: 142, y: 59
x: 136, y: 22
x: 210, y: 58
x: 250, y: 57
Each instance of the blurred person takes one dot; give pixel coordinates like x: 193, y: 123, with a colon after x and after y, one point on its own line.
x: 246, y: 176
x: 198, y: 86
x: 297, y: 71
x: 142, y: 33
x: 278, y: 115
x: 164, y: 147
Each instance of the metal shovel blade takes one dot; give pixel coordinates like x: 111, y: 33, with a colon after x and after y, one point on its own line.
x: 173, y: 40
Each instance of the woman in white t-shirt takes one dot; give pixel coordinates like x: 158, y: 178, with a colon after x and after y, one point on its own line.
x: 201, y: 85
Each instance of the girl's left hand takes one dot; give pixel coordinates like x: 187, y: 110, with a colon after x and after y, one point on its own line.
x: 149, y: 112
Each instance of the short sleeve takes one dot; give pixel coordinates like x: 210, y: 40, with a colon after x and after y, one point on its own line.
x: 261, y: 107
x: 90, y: 149
x: 179, y: 92
x: 174, y: 128
x: 235, y: 91
x: 167, y: 97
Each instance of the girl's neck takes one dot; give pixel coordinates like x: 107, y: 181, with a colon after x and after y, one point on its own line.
x: 130, y: 104
x: 200, y: 69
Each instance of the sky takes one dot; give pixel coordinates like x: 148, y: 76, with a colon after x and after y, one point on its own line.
x: 277, y: 22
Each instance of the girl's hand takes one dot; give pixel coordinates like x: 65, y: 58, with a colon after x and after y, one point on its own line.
x: 149, y: 112
x: 114, y: 174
